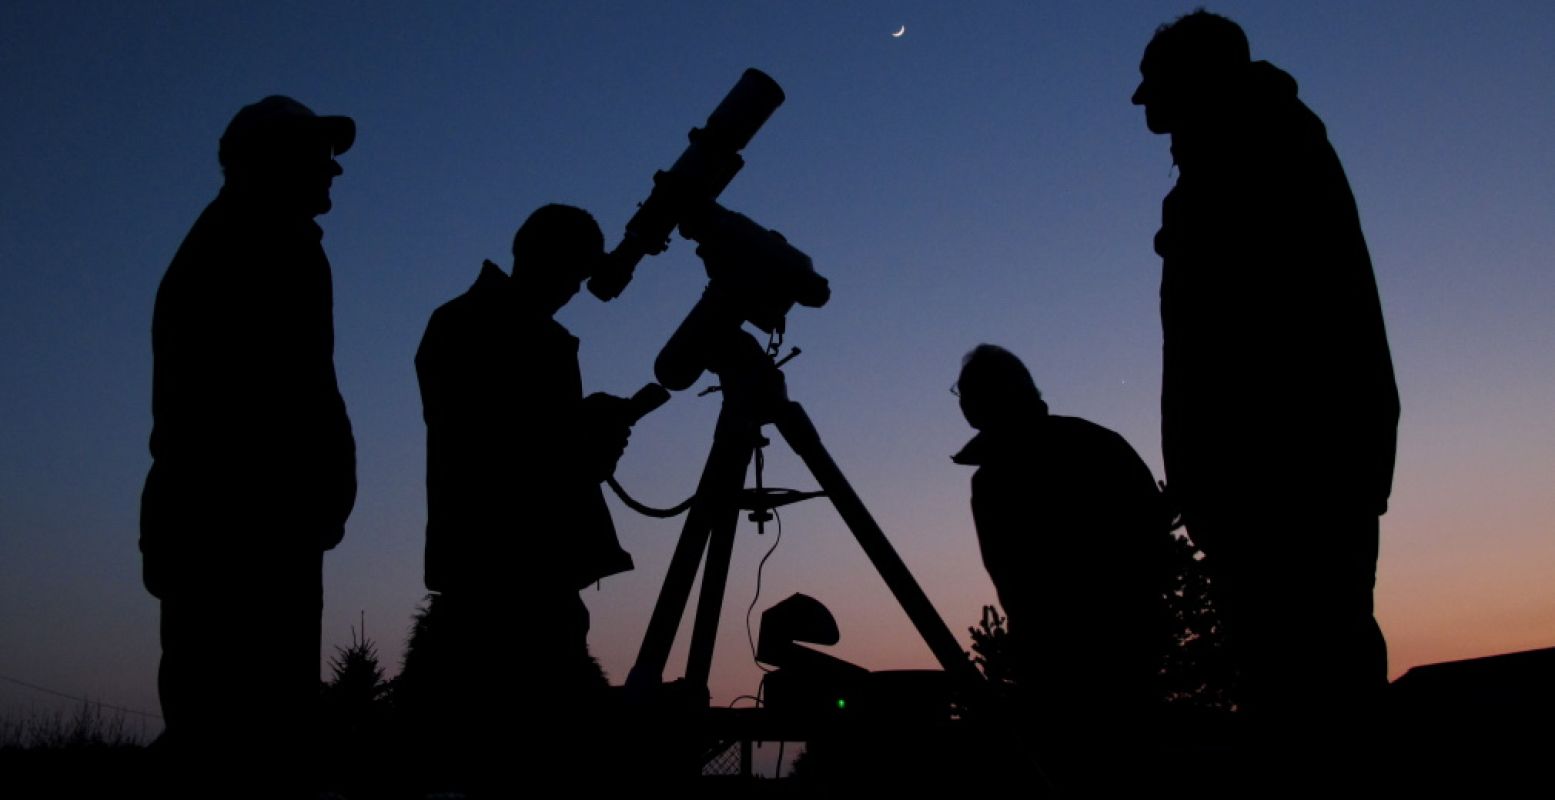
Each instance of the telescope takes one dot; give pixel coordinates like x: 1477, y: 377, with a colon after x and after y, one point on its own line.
x: 755, y: 275
x: 686, y: 192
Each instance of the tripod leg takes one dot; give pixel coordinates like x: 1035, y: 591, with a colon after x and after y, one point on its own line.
x: 795, y: 426
x: 715, y: 576
x: 716, y: 501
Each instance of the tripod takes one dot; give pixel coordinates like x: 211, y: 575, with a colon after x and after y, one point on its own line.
x: 754, y: 395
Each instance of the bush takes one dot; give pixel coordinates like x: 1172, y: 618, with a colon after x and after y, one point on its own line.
x: 90, y: 726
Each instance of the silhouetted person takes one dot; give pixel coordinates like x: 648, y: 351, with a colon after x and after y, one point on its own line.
x: 1075, y: 536
x: 254, y: 468
x: 1279, y: 408
x: 516, y: 520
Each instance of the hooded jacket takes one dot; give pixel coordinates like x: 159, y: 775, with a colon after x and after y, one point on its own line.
x: 1277, y: 379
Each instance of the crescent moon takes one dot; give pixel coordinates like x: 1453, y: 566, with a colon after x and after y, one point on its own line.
x: 899, y: 33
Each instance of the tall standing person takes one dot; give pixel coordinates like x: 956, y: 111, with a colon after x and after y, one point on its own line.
x: 1279, y: 407
x: 254, y: 463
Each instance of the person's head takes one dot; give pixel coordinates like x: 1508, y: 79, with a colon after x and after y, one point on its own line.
x: 996, y: 389
x: 279, y: 152
x: 1186, y: 66
x: 554, y: 251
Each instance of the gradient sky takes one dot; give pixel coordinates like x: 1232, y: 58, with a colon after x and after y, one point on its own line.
x: 982, y: 178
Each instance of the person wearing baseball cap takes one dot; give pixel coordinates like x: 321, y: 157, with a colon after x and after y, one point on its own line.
x: 254, y: 465
x: 279, y: 147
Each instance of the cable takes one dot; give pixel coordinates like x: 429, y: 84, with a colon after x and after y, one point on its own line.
x: 98, y: 703
x: 649, y: 511
x: 748, y: 637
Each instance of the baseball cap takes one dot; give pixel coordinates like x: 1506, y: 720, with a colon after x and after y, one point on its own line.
x: 275, y: 121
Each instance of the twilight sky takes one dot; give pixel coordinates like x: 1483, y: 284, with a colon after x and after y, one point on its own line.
x: 982, y: 178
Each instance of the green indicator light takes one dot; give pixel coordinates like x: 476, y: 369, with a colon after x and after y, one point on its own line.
x: 842, y: 702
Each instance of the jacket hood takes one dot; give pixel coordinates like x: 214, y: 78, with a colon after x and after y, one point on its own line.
x: 974, y: 452
x: 1268, y: 82
x: 1261, y: 106
x: 990, y: 446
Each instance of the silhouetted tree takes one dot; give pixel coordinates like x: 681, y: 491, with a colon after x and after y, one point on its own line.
x: 417, y: 693
x: 994, y: 656
x: 991, y: 647
x: 1196, y: 671
x: 357, y: 686
x: 418, y: 664
x: 356, y: 717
